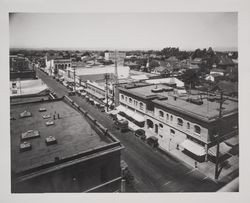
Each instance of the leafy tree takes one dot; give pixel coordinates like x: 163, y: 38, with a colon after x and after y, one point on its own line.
x: 190, y: 77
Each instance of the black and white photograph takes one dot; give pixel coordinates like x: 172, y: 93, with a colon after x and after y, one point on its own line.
x: 136, y: 107
x: 124, y: 102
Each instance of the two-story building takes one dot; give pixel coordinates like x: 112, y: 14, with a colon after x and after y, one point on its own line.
x: 190, y: 122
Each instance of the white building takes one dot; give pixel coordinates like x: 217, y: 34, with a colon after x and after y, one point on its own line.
x: 175, y: 122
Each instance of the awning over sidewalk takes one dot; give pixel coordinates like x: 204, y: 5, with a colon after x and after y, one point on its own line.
x: 193, y: 147
x: 138, y: 117
x: 223, y: 149
x: 233, y: 141
x: 121, y: 108
x: 113, y: 112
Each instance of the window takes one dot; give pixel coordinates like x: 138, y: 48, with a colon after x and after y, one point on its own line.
x: 172, y: 132
x: 156, y: 128
x: 135, y: 103
x: 188, y: 125
x: 150, y: 124
x: 171, y: 118
x: 180, y: 122
x: 122, y: 97
x: 141, y: 105
x: 167, y: 116
x: 160, y: 125
x: 126, y: 99
x: 130, y: 100
x: 197, y: 129
x: 161, y: 114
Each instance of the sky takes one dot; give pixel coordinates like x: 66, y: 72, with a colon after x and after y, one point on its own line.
x: 126, y: 31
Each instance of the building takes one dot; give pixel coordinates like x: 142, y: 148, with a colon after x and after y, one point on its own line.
x: 27, y: 87
x: 21, y: 68
x: 171, y: 81
x: 57, y: 147
x: 56, y: 63
x: 189, y: 122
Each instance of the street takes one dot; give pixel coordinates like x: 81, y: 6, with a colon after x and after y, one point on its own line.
x: 153, y: 170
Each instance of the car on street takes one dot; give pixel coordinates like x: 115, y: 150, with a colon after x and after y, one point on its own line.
x: 122, y: 125
x: 140, y: 133
x: 71, y: 93
x: 152, y: 141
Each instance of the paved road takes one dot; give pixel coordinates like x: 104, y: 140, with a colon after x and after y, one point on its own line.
x: 153, y: 170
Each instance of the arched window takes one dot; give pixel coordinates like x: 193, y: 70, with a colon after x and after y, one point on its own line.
x: 122, y: 97
x: 160, y: 125
x: 197, y: 129
x: 161, y: 114
x: 156, y: 128
x: 188, y: 125
x: 171, y: 118
x: 126, y: 98
x: 141, y: 105
x: 167, y: 116
x: 180, y: 122
x: 150, y: 124
x: 172, y: 132
x: 130, y: 100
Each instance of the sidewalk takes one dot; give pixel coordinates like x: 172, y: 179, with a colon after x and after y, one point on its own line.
x: 208, y: 168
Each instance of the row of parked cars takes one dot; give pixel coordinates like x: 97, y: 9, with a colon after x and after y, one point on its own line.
x: 122, y: 125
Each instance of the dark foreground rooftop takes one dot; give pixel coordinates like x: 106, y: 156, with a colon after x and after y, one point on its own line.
x: 72, y: 132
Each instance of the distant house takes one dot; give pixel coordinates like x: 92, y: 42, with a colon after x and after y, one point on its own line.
x: 194, y: 67
x: 227, y: 87
x: 161, y: 70
x: 196, y: 61
x: 218, y: 71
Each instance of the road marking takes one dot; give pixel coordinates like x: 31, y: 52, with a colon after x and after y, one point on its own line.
x: 205, y: 178
x: 194, y: 169
x: 167, y: 183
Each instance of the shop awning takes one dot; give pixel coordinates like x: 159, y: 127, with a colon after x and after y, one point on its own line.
x: 129, y: 112
x: 233, y: 141
x: 96, y: 103
x: 121, y: 108
x: 193, y: 147
x: 223, y: 149
x: 138, y: 117
x: 113, y: 112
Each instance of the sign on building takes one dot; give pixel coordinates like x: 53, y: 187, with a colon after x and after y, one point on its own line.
x: 117, y: 56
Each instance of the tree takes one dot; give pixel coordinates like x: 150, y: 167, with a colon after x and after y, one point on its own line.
x: 190, y: 77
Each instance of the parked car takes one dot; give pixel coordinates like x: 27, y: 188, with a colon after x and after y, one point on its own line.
x: 140, y: 133
x: 121, y: 125
x: 152, y: 141
x: 71, y: 93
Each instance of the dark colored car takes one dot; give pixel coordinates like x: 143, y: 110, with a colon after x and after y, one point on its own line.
x: 140, y: 133
x: 121, y: 125
x: 71, y: 93
x: 153, y: 141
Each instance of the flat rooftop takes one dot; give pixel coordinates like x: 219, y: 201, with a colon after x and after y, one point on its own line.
x: 17, y: 100
x: 73, y: 134
x: 206, y: 111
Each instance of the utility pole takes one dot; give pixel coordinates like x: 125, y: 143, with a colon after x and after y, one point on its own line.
x: 106, y: 76
x: 74, y: 68
x: 217, y: 140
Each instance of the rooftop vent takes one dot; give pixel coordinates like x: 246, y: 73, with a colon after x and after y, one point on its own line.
x: 157, y: 90
x: 42, y: 109
x: 162, y: 98
x: 30, y: 134
x: 25, y: 114
x: 25, y: 146
x: 50, y: 140
x: 49, y: 123
x: 195, y: 101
